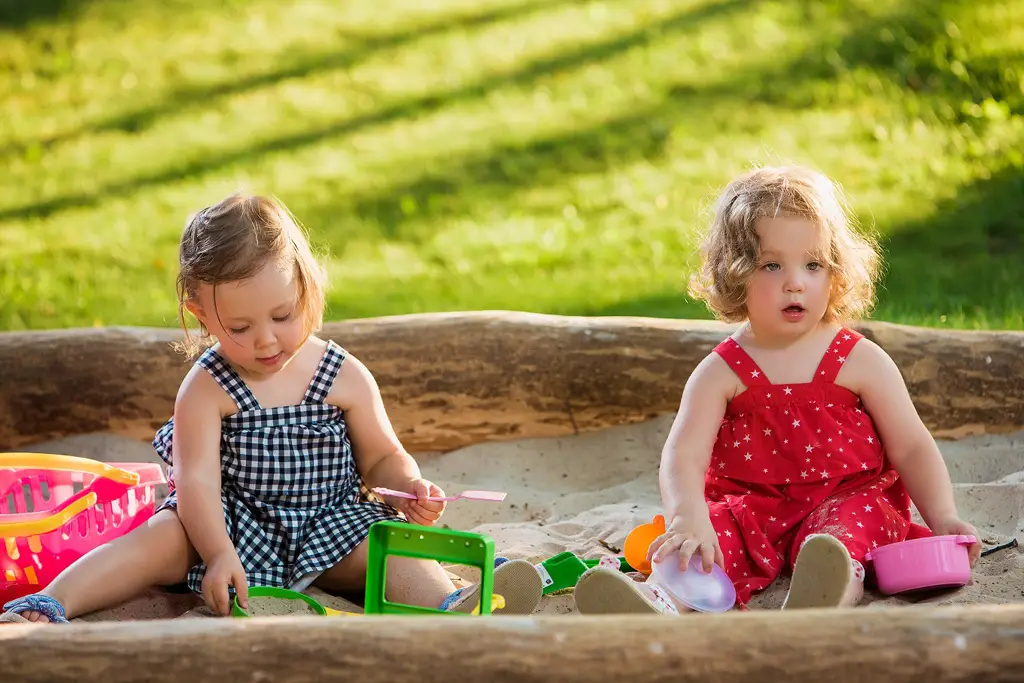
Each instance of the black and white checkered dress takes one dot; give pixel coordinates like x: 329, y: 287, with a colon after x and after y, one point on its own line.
x: 293, y: 501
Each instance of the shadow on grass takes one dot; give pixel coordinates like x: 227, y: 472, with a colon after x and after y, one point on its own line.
x: 966, y: 259
x: 407, y: 108
x: 408, y: 211
x: 298, y: 63
x: 919, y: 50
x: 17, y: 14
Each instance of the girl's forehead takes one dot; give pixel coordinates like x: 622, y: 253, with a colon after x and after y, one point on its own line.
x: 789, y: 234
x: 271, y: 287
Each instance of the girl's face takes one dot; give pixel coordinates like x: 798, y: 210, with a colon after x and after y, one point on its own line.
x: 789, y: 292
x: 257, y: 321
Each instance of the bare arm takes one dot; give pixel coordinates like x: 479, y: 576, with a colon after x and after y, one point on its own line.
x: 380, y: 456
x: 197, y: 418
x: 908, y: 444
x: 684, y: 462
x: 687, y: 451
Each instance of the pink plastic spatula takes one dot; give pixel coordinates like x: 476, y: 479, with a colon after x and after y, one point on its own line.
x: 487, y: 496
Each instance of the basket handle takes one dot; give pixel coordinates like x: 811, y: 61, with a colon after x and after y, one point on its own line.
x: 67, y: 463
x: 36, y: 523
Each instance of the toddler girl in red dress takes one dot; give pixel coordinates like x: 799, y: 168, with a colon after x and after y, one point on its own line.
x: 796, y: 444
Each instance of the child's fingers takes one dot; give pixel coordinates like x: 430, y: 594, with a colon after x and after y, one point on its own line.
x: 707, y: 554
x: 421, y: 489
x: 667, y: 546
x: 433, y: 506
x: 686, y: 550
x: 424, y: 513
x: 241, y: 585
x: 207, y: 593
x: 220, y: 597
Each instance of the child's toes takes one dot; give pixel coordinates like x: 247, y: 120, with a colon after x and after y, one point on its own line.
x: 36, y: 616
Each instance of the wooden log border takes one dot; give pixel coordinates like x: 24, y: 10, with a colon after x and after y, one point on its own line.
x: 903, y: 645
x: 454, y: 379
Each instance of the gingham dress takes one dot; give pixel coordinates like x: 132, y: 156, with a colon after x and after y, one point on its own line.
x: 294, y: 503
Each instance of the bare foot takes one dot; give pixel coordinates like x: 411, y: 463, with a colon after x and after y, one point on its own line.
x: 35, y: 616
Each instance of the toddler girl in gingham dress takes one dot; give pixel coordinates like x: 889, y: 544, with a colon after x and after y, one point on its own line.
x: 275, y: 439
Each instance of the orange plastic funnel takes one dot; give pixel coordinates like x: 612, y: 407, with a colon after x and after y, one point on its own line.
x: 639, y: 540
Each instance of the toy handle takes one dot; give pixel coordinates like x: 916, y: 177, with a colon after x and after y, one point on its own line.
x: 66, y: 463
x: 36, y: 523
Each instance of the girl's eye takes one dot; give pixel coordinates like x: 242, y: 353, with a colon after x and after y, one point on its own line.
x: 813, y: 265
x: 282, y: 318
x: 771, y: 266
x: 237, y: 330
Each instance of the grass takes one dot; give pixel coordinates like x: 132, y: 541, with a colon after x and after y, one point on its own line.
x: 550, y: 156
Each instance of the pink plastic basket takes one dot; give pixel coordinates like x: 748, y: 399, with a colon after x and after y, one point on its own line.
x: 55, y: 508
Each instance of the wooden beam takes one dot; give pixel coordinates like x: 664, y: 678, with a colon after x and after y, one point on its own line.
x: 450, y: 380
x: 906, y: 645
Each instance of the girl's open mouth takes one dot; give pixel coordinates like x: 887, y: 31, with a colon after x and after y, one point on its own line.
x: 793, y: 313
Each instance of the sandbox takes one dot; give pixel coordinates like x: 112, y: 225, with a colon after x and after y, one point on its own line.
x: 568, y: 415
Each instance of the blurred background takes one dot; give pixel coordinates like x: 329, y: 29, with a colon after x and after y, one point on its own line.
x: 539, y: 155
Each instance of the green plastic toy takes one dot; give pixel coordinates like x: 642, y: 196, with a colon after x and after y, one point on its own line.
x: 425, y: 543
x: 271, y: 592
x: 565, y: 569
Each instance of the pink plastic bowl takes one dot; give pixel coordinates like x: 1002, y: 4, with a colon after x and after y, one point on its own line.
x: 932, y: 562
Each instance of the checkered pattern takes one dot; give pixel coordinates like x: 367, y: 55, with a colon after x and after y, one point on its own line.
x: 293, y: 501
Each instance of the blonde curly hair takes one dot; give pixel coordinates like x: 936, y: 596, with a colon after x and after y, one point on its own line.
x: 730, y: 246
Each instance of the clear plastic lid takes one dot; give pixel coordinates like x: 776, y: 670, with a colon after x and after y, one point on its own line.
x: 710, y: 592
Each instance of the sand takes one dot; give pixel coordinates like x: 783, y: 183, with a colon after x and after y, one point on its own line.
x: 276, y: 607
x: 585, y: 493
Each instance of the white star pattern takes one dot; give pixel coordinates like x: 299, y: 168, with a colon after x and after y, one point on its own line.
x: 785, y: 489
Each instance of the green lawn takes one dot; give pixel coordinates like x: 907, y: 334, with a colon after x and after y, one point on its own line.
x: 550, y: 156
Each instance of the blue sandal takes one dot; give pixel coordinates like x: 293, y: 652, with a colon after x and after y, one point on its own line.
x: 37, y: 602
x: 516, y: 580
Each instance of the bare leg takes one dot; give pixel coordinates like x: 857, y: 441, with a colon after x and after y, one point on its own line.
x: 409, y: 581
x: 156, y: 554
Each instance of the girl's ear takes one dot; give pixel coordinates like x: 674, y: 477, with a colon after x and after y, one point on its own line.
x: 195, y: 309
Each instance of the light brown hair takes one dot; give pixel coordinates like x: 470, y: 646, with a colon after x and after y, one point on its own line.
x: 730, y: 246
x: 231, y: 241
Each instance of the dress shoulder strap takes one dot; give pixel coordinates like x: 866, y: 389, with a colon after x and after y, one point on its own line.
x: 326, y: 373
x: 228, y: 379
x: 742, y: 364
x: 838, y: 351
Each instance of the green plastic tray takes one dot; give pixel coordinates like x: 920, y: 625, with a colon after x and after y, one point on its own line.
x: 425, y: 543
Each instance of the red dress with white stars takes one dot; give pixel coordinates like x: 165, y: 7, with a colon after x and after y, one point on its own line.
x: 797, y: 459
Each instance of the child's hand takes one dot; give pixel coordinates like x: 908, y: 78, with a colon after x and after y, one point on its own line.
x: 421, y: 511
x: 225, y: 569
x: 688, y: 537
x: 954, y: 526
